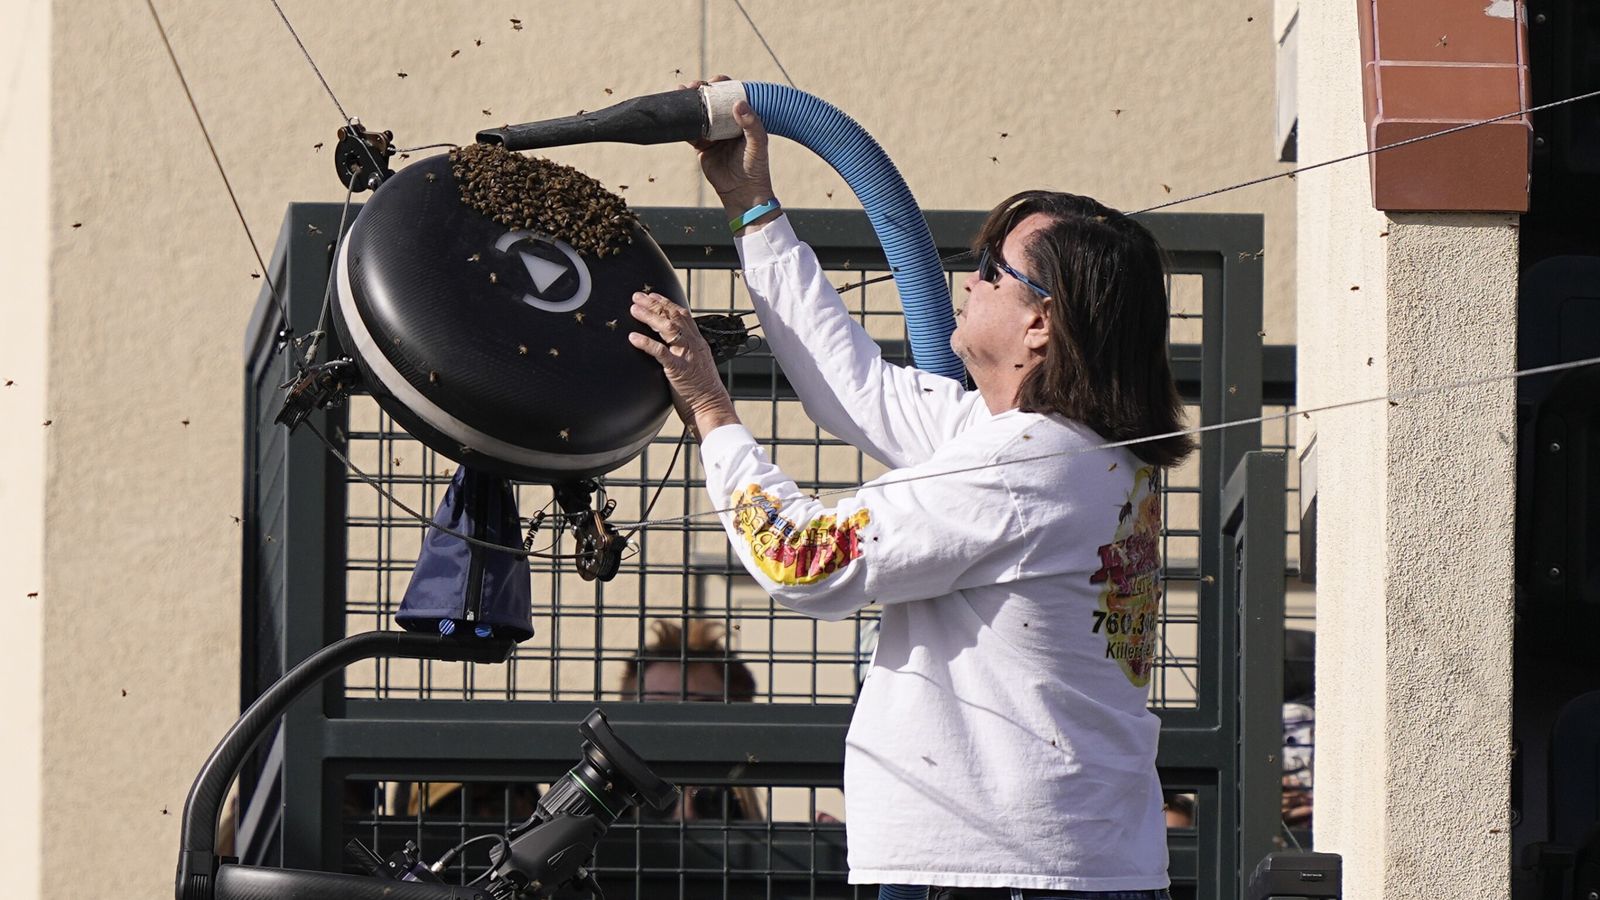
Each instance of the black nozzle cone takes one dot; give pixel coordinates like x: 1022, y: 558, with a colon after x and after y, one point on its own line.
x: 651, y: 119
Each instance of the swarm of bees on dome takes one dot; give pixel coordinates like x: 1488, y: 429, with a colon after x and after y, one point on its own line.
x: 542, y: 196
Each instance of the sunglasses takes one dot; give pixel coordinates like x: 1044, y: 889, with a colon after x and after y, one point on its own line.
x: 990, y: 266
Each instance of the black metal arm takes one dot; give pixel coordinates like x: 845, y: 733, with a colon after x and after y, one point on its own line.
x: 199, y: 877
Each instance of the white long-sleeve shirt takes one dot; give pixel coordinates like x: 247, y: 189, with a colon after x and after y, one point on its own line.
x: 1001, y: 738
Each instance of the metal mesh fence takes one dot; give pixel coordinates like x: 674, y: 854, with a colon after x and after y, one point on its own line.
x: 721, y: 840
x: 588, y: 635
x: 742, y: 832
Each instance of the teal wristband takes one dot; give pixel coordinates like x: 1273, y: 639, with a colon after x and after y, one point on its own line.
x: 737, y: 223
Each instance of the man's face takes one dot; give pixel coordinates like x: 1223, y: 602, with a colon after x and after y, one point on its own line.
x: 671, y: 682
x: 994, y: 323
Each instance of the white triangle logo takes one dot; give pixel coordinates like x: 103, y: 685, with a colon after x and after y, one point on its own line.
x: 544, y: 272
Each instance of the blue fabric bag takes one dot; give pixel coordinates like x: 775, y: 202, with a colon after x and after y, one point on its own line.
x: 460, y: 586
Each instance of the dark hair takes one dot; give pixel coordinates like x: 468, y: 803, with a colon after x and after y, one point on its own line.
x: 1106, y: 361
x: 702, y: 646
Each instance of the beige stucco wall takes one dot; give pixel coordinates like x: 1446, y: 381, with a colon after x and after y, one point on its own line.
x: 24, y: 265
x: 1415, y: 501
x: 149, y: 298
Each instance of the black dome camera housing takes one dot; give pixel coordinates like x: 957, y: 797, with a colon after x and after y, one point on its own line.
x: 500, y: 348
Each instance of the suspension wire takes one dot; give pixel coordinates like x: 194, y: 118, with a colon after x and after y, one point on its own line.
x: 1293, y: 172
x: 348, y: 121
x: 1393, y: 398
x: 673, y: 464
x: 1397, y: 144
x: 453, y: 146
x: 296, y: 35
x: 283, y: 309
x: 389, y: 495
x: 327, y: 292
x: 763, y: 39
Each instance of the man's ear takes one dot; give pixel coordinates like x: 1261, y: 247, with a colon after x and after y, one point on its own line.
x: 1037, y: 333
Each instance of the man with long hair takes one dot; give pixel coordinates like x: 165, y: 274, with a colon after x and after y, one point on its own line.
x: 1002, y: 746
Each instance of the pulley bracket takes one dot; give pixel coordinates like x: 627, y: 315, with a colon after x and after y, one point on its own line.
x: 599, y: 544
x: 317, y: 387
x: 362, y: 157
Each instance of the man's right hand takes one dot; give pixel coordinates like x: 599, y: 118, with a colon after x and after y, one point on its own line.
x: 737, y: 168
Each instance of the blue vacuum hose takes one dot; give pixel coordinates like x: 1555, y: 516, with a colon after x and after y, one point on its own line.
x: 823, y: 129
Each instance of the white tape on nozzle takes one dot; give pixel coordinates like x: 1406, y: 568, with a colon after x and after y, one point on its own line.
x: 719, y: 98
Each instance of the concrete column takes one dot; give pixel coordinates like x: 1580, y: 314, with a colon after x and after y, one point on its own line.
x: 1415, y: 507
x: 25, y: 261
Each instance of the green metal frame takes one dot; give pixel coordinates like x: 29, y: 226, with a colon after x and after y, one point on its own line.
x: 294, y: 591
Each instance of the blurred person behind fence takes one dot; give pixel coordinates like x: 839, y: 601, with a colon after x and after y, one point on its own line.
x: 693, y: 665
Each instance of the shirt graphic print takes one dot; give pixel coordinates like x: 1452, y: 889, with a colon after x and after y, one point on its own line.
x: 1130, y: 572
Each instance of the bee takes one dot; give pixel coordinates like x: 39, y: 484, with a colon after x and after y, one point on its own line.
x: 313, y: 229
x: 475, y: 257
x: 433, y: 376
x: 652, y: 179
x: 478, y: 42
x: 255, y: 274
x: 454, y: 53
x: 431, y: 177
x: 1116, y: 112
x: 554, y: 352
x: 493, y: 278
x: 1167, y: 188
x: 522, y: 349
x: 487, y: 113
x: 994, y: 159
x: 47, y: 422
x: 317, y: 147
x: 1355, y: 287
x: 688, y: 229
x: 1005, y: 134
x: 622, y: 187
x: 612, y: 324
x: 185, y: 423
x: 402, y: 74
x: 579, y: 317
x: 608, y: 90
x: 1112, y: 468
x: 566, y: 434
x: 516, y: 24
